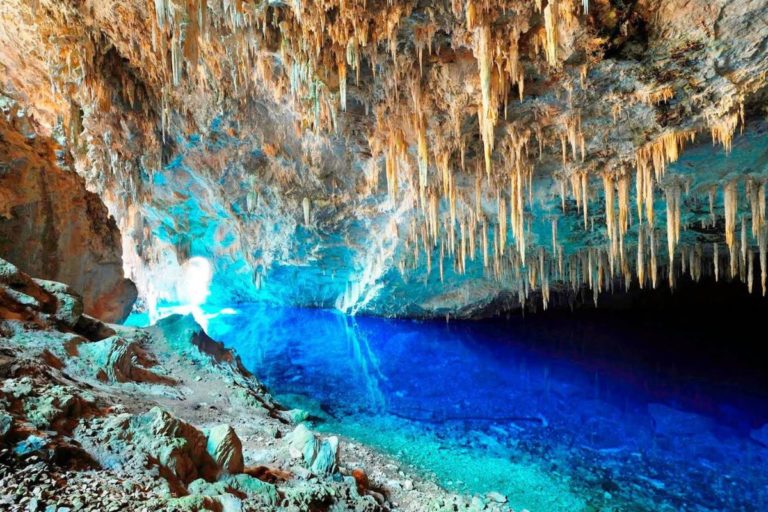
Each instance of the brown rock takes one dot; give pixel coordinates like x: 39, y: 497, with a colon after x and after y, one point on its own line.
x: 51, y: 227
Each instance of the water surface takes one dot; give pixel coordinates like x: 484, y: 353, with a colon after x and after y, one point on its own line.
x: 578, y: 416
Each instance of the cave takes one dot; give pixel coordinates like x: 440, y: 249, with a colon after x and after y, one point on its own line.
x: 380, y: 255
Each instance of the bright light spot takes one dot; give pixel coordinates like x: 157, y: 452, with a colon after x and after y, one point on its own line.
x: 194, y: 287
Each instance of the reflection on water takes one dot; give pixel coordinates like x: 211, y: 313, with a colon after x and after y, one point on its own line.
x: 483, y: 407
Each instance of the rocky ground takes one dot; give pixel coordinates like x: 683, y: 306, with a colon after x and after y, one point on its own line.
x: 104, y: 417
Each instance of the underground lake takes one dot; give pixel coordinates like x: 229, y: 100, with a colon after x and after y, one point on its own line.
x: 561, y: 412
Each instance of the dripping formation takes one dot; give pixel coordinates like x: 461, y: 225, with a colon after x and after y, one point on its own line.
x: 469, y: 118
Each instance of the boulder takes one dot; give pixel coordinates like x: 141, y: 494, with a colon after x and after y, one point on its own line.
x: 319, y: 455
x: 225, y: 448
x: 155, y: 438
x: 118, y: 360
x: 6, y: 423
x: 69, y: 305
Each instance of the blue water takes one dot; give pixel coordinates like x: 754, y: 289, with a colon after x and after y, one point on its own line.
x: 493, y: 407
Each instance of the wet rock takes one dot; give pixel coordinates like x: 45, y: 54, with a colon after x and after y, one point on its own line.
x: 496, y: 497
x: 225, y: 448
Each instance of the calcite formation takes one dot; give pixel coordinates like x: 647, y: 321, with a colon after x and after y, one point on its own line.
x: 404, y: 157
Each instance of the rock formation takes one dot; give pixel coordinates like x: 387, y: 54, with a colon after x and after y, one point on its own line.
x: 403, y: 157
x: 50, y: 226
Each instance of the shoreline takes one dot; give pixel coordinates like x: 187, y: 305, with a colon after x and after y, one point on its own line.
x: 110, y: 417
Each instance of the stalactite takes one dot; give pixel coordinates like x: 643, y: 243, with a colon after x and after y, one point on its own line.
x: 341, y: 66
x: 722, y: 130
x: 744, y: 246
x: 762, y: 243
x: 654, y: 266
x: 716, y: 260
x: 654, y: 97
x: 550, y: 26
x: 610, y: 209
x: 485, y: 245
x: 487, y: 112
x: 673, y: 219
x: 730, y: 202
x: 502, y: 216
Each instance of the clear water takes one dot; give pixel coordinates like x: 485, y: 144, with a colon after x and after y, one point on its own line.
x: 495, y: 407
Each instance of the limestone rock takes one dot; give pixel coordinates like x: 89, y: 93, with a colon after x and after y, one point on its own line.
x: 69, y: 307
x: 157, y: 438
x: 6, y: 422
x: 319, y: 455
x: 673, y: 422
x: 574, y: 101
x: 119, y: 360
x: 51, y: 227
x: 225, y: 448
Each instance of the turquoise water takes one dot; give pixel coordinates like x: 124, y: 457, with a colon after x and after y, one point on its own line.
x: 557, y: 419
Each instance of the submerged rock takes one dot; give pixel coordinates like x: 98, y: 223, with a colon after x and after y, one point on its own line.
x: 673, y: 422
x: 760, y: 435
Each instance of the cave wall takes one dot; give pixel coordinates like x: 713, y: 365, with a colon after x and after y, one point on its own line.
x: 51, y: 226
